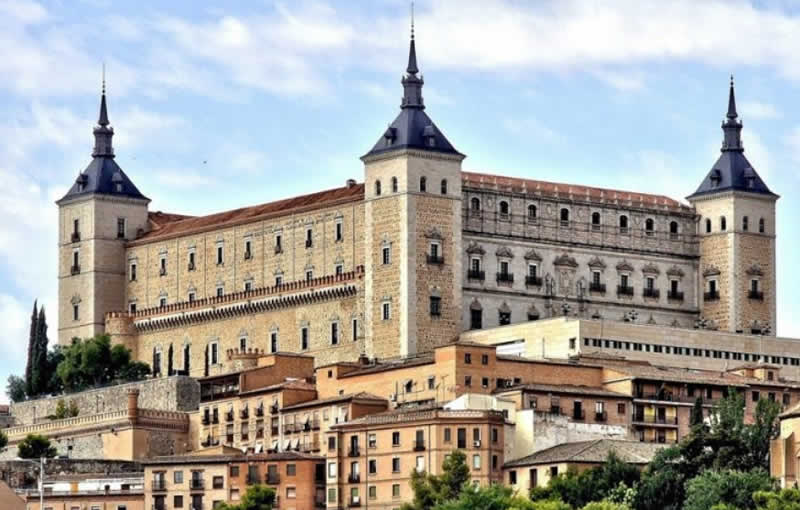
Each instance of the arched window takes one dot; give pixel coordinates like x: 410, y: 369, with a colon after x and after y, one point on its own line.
x: 595, y: 221
x: 532, y: 212
x: 723, y: 225
x: 649, y: 226
x: 394, y: 184
x: 761, y: 226
x: 475, y: 204
x: 444, y: 186
x: 377, y: 187
x: 423, y: 184
x: 564, y: 217
x: 745, y: 223
x: 673, y: 229
x: 503, y: 209
x: 708, y: 225
x: 623, y: 224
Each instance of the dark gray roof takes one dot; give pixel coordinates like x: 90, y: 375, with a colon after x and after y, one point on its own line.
x: 594, y: 451
x: 732, y: 171
x: 103, y: 175
x: 412, y: 129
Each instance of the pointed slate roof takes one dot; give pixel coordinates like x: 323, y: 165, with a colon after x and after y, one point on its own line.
x: 732, y: 171
x: 103, y: 175
x: 412, y: 129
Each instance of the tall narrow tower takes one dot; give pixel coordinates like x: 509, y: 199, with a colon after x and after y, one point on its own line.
x: 412, y: 230
x: 737, y: 237
x: 98, y: 214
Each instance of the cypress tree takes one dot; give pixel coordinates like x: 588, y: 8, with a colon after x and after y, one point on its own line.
x: 31, y: 352
x: 40, y: 360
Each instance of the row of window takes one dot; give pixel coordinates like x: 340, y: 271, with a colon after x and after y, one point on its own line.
x: 723, y: 225
x: 122, y: 227
x: 423, y: 186
x: 690, y: 351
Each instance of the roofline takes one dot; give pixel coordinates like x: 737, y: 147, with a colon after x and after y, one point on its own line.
x: 332, y: 400
x: 769, y: 195
x: 407, y: 150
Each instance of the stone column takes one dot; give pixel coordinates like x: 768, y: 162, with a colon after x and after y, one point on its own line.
x: 133, y: 405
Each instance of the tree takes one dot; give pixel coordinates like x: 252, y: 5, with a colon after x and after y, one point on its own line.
x: 696, y: 417
x: 786, y: 499
x: 65, y: 411
x: 15, y: 388
x: 31, y: 351
x: 579, y: 489
x: 257, y: 497
x: 35, y: 446
x: 496, y: 497
x: 662, y: 482
x: 3, y: 440
x: 431, y: 490
x: 605, y: 505
x: 764, y: 429
x: 40, y: 369
x: 93, y: 362
x: 729, y: 487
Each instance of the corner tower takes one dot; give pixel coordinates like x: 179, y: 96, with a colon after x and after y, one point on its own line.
x: 413, y: 230
x: 98, y: 214
x: 737, y: 238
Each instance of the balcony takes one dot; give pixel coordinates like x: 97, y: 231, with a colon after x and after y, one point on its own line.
x: 310, y: 447
x: 712, y: 295
x: 157, y: 506
x: 76, y: 236
x: 675, y: 295
x: 756, y: 295
x: 210, y: 442
x: 196, y: 484
x: 599, y: 288
x: 355, y: 501
x: 419, y: 445
x: 244, y: 414
x: 273, y: 479
x: 245, y: 436
x: 655, y: 420
x: 259, y: 412
x: 437, y: 260
x: 505, y: 277
x: 354, y: 478
x: 253, y: 479
x: 273, y: 409
x: 533, y: 281
x: 600, y: 416
x: 75, y: 269
x: 229, y: 438
x: 555, y: 410
x: 353, y: 452
x: 288, y: 428
x: 578, y: 414
x: 159, y: 485
x: 475, y: 274
x: 314, y: 424
x: 623, y: 290
x: 651, y: 293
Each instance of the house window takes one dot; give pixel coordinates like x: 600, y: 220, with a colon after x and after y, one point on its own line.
x: 650, y: 283
x: 309, y: 238
x: 75, y: 312
x: 191, y: 261
x: 512, y: 477
x: 76, y: 229
x: 504, y: 267
x: 476, y: 319
x: 623, y: 224
x: 435, y: 306
x: 761, y: 226
x: 475, y: 263
x: 444, y: 186
x: 220, y: 254
x: 162, y: 302
x: 132, y: 307
x: 385, y: 311
x: 623, y: 281
x: 476, y: 461
x: 121, y: 228
x: 355, y: 330
x: 386, y: 255
x: 396, y: 490
x: 504, y: 318
x: 722, y: 223
x: 673, y: 229
x: 596, y: 279
x: 339, y: 231
x: 394, y: 184
x: 377, y: 188
x: 273, y: 341
x: 595, y: 221
x: 191, y: 296
x: 162, y: 265
x: 278, y: 245
x: 372, y: 492
x: 708, y: 225
x: 531, y: 213
x: 303, y: 338
x: 745, y: 225
x: 309, y: 275
x: 338, y: 269
x: 504, y: 209
x: 334, y: 333
x: 332, y: 493
x: 468, y: 381
x: 133, y: 271
x: 248, y: 286
x: 331, y: 470
x: 243, y: 344
x: 213, y: 353
x: 448, y: 435
x: 395, y: 464
x: 475, y: 204
x: 649, y: 226
x: 423, y: 184
x: 395, y: 438
x: 484, y: 359
x: 220, y: 290
x: 467, y: 358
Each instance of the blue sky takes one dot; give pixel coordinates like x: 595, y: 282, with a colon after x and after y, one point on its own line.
x: 216, y: 109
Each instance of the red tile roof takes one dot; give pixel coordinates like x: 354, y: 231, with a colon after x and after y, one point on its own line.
x: 561, y: 190
x: 168, y: 226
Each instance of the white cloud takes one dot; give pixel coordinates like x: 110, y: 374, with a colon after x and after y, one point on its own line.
x: 622, y: 81
x: 792, y: 140
x: 757, y: 110
x: 531, y: 128
x: 15, y: 317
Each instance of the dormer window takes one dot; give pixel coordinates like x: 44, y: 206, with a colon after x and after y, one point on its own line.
x: 715, y: 178
x: 118, y: 187
x: 390, y: 135
x: 429, y: 135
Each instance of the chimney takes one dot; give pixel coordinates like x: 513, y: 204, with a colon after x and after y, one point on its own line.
x: 351, y: 183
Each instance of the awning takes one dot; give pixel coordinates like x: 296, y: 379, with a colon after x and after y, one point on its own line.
x: 295, y: 442
x: 259, y: 447
x: 274, y: 445
x: 286, y: 444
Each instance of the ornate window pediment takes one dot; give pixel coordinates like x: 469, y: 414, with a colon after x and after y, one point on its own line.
x: 504, y: 308
x: 711, y: 271
x: 651, y: 268
x: 565, y: 260
x: 475, y: 249
x: 475, y: 305
x: 533, y: 312
x: 433, y: 233
x: 75, y: 299
x: 755, y: 270
x: 624, y: 265
x: 597, y: 263
x: 675, y: 271
x: 504, y: 252
x: 533, y: 255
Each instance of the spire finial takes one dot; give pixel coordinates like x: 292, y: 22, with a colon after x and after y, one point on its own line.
x: 732, y: 126
x: 412, y: 20
x: 732, y: 102
x: 104, y: 78
x: 102, y: 120
x: 412, y: 50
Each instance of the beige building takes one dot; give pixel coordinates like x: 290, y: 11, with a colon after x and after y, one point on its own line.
x: 89, y: 492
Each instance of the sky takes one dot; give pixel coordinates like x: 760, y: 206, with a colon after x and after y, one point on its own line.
x: 220, y: 108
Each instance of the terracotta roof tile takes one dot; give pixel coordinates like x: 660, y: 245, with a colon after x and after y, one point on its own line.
x: 578, y: 192
x: 595, y: 451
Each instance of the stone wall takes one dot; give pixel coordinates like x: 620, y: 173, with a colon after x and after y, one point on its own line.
x: 23, y: 474
x: 178, y: 393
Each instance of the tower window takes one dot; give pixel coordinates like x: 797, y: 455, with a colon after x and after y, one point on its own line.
x: 162, y: 269
x: 339, y: 231
x: 385, y: 311
x: 595, y: 221
x: 191, y: 261
x: 120, y: 228
x: 673, y: 229
x: 394, y: 184
x: 444, y: 186
x: 475, y: 204
x: 132, y: 307
x: 649, y: 226
x: 162, y: 302
x: 76, y: 228
x: 355, y: 330
x: 278, y: 245
x: 708, y: 225
x: 623, y: 224
x: 75, y: 312
x: 309, y: 275
x: 220, y: 255
x: 334, y: 333
x: 435, y: 306
x: 220, y: 290
x: 564, y: 217
x: 532, y: 213
x: 273, y: 341
x: 386, y: 255
x: 377, y: 188
x: 248, y: 253
x: 745, y: 226
x: 133, y: 272
x: 504, y: 209
x: 761, y: 226
x: 423, y: 184
x: 304, y: 339
x: 723, y: 225
x: 309, y: 238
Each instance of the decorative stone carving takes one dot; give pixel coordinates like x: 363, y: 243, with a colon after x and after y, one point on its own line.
x: 533, y: 312
x: 676, y: 272
x: 755, y: 270
x: 504, y: 252
x: 624, y: 265
x: 711, y: 271
x: 475, y: 305
x: 475, y: 249
x: 565, y: 260
x: 433, y: 233
x: 597, y: 263
x: 504, y: 308
x: 533, y: 255
x: 651, y: 268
